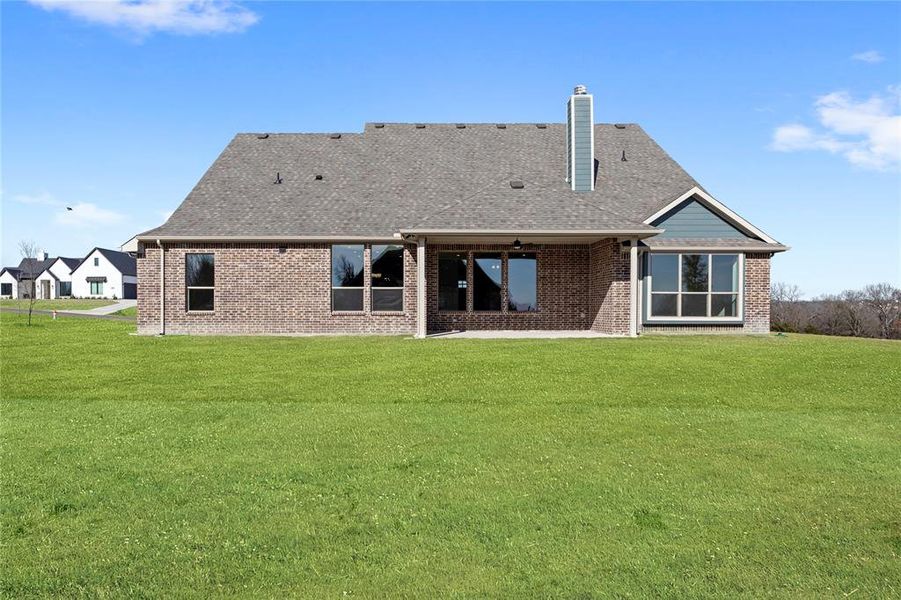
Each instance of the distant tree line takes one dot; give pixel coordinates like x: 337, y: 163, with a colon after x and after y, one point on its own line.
x: 873, y: 311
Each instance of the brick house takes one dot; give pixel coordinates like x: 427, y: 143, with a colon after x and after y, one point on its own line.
x: 412, y: 228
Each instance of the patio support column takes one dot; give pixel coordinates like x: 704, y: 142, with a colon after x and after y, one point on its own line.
x: 633, y: 288
x: 420, y: 288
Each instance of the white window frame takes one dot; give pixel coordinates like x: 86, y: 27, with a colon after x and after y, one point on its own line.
x: 739, y: 310
x: 373, y: 289
x: 332, y: 288
x: 200, y: 287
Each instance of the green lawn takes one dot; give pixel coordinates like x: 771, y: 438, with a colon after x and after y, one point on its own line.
x: 59, y: 304
x: 131, y: 311
x: 372, y: 467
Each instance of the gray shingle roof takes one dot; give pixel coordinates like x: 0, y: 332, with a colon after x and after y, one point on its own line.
x: 439, y: 177
x: 656, y: 243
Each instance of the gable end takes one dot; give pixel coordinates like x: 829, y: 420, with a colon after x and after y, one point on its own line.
x: 691, y: 219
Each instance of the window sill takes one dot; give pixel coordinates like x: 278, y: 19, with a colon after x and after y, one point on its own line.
x: 389, y: 312
x: 200, y: 312
x: 348, y: 313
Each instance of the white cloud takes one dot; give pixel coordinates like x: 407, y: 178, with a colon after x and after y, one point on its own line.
x: 870, y: 56
x: 866, y: 132
x: 41, y: 199
x: 88, y: 215
x: 184, y: 17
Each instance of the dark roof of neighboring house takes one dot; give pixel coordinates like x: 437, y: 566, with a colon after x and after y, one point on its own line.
x: 124, y: 263
x: 440, y: 177
x: 33, y: 267
x: 12, y: 271
x: 69, y: 262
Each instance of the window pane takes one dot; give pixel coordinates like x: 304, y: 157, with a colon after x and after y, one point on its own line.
x: 6, y: 289
x: 664, y: 272
x: 65, y: 288
x: 347, y: 266
x: 347, y: 299
x: 725, y: 273
x: 486, y: 281
x: 200, y: 270
x: 200, y: 299
x: 387, y: 299
x: 663, y: 305
x: 694, y: 305
x: 724, y: 305
x: 452, y: 281
x: 388, y: 266
x: 694, y: 273
x: 522, y: 282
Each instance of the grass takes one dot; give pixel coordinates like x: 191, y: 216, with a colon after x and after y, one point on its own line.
x: 371, y: 467
x: 58, y: 304
x: 131, y: 311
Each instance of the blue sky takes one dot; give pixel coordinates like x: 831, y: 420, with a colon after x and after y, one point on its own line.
x: 788, y: 113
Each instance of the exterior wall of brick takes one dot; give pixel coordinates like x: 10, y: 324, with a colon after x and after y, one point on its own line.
x: 609, y: 288
x: 562, y: 291
x: 757, y: 293
x: 262, y: 291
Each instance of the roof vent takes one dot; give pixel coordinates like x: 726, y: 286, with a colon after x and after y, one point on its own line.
x: 541, y: 125
x: 501, y: 125
x: 263, y: 136
x: 516, y: 184
x: 335, y: 136
x: 420, y: 126
x: 620, y: 125
x: 318, y: 177
x: 461, y: 125
x: 580, y: 90
x: 379, y: 125
x: 624, y: 156
x: 278, y: 178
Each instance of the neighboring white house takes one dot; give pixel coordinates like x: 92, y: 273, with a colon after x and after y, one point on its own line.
x: 19, y: 282
x: 56, y: 280
x: 131, y: 246
x: 9, y: 282
x: 105, y: 274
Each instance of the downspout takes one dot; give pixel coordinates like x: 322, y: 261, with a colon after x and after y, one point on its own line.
x: 162, y: 288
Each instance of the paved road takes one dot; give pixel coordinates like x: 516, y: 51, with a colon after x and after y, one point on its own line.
x: 105, y: 310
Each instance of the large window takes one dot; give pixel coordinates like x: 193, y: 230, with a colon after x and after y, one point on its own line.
x: 387, y: 278
x: 347, y: 277
x: 6, y: 289
x: 452, y: 282
x: 695, y: 286
x: 486, y: 281
x: 65, y: 288
x: 96, y: 288
x: 522, y: 282
x: 200, y: 281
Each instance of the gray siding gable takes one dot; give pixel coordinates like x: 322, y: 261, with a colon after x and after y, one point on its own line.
x: 691, y: 219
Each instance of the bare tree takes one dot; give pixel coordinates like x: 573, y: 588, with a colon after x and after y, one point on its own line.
x: 852, y: 307
x: 29, y: 252
x: 786, y: 310
x: 885, y: 301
